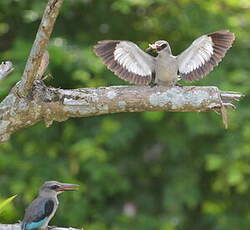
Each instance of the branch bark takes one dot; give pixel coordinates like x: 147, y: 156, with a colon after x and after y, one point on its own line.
x: 39, y: 47
x: 6, y: 68
x: 18, y: 227
x: 52, y: 104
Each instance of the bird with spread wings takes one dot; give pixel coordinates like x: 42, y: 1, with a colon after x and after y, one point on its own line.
x: 132, y: 64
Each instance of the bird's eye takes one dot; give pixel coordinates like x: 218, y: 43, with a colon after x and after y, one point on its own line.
x: 161, y: 46
x: 54, y: 187
x: 164, y: 45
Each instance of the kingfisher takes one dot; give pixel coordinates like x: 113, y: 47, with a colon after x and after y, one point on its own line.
x: 39, y: 213
x: 132, y: 64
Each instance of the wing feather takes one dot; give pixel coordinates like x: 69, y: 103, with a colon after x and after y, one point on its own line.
x: 38, y: 210
x: 126, y: 60
x: 204, y: 54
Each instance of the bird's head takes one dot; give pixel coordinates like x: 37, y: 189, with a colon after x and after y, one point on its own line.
x: 159, y: 46
x: 55, y: 187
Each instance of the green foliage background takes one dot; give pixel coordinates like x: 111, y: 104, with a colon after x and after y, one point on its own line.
x: 176, y: 170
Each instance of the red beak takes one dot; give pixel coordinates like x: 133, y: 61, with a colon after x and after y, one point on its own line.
x: 152, y: 47
x: 67, y: 187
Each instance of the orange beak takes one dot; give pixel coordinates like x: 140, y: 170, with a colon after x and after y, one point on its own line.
x: 152, y: 47
x: 67, y: 187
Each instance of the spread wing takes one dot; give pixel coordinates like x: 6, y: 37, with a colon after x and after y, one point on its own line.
x: 204, y: 54
x: 37, y: 213
x: 126, y: 60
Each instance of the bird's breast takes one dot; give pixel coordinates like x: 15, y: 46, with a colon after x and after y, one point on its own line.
x: 166, y: 71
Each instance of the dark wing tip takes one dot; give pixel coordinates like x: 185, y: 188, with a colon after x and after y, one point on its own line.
x: 105, y: 46
x: 222, y: 41
x: 223, y: 37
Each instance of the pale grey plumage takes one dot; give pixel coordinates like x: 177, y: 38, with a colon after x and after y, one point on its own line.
x: 132, y: 64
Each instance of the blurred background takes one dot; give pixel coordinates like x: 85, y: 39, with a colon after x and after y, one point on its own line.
x: 141, y: 171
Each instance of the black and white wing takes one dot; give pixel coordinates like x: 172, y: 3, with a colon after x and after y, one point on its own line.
x: 126, y: 60
x: 204, y: 54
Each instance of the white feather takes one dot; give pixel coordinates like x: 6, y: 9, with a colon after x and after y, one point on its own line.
x: 133, y: 62
x: 196, y: 55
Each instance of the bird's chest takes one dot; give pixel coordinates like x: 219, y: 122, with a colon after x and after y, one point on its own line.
x: 166, y: 70
x: 51, y: 215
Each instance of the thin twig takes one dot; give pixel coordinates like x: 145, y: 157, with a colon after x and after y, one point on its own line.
x: 6, y: 68
x: 44, y: 64
x: 39, y: 47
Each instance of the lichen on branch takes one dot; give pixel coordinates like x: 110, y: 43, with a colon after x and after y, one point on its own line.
x: 52, y: 104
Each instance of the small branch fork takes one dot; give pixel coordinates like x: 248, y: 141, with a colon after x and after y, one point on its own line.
x: 39, y: 47
x: 30, y: 100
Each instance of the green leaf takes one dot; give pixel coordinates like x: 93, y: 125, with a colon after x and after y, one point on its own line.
x: 6, y: 202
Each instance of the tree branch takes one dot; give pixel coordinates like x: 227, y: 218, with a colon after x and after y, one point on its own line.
x: 31, y: 101
x: 39, y: 47
x: 18, y: 227
x: 51, y: 104
x: 6, y: 68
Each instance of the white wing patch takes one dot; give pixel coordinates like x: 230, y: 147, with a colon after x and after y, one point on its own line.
x: 131, y: 62
x: 127, y: 61
x: 202, y: 52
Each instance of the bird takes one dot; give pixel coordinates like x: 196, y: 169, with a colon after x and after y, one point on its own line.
x: 132, y: 64
x: 42, y: 209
